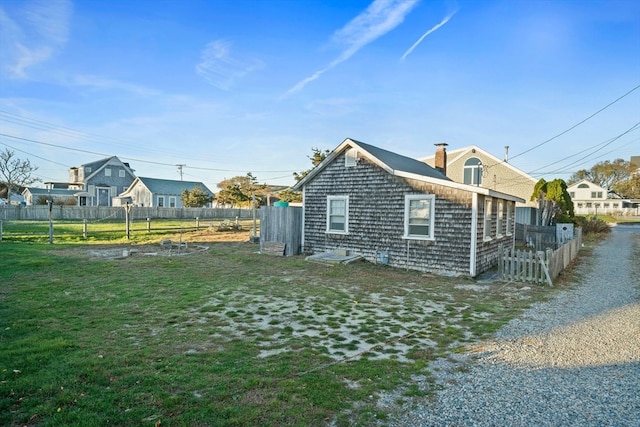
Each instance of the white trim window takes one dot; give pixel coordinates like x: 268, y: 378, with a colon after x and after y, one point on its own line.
x: 351, y: 158
x: 472, y: 171
x: 172, y: 202
x: 499, y: 219
x: 121, y: 173
x: 107, y: 172
x: 161, y: 201
x: 419, y: 216
x: 509, y: 218
x: 338, y: 214
x: 488, y: 206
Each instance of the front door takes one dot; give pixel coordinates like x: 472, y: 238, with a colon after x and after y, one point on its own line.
x: 104, y: 196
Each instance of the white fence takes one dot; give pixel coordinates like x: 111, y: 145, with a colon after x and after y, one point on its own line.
x: 540, y: 266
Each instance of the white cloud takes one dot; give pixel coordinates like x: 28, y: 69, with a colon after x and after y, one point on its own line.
x: 33, y: 35
x: 377, y: 20
x: 220, y: 68
x: 107, y: 84
x: 431, y: 30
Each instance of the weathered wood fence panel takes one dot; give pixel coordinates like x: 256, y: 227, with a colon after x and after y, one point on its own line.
x: 281, y: 224
x: 540, y: 266
x: 41, y: 213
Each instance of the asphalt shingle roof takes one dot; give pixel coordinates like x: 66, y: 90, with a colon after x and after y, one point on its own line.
x: 166, y: 186
x: 401, y: 163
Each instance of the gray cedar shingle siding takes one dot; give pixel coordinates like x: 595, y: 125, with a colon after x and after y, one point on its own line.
x: 376, y: 219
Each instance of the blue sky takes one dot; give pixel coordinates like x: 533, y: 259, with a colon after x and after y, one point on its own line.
x: 230, y: 87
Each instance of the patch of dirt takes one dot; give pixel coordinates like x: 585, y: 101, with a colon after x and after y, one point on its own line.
x: 165, y: 248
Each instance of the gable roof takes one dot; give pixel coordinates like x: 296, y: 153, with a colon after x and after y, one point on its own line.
x: 589, y: 184
x: 98, y: 165
x: 388, y: 160
x: 400, y: 166
x: 168, y: 186
x: 454, y: 155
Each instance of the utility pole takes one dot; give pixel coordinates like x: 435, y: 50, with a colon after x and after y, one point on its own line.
x: 180, y: 166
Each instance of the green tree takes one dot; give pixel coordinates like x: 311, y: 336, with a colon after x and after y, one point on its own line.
x: 289, y: 195
x: 554, y: 202
x: 316, y: 158
x: 14, y: 172
x: 239, y: 191
x: 196, y: 198
x: 606, y: 174
x: 629, y: 188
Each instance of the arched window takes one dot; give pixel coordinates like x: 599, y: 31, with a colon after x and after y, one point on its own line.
x: 583, y: 185
x: 473, y: 171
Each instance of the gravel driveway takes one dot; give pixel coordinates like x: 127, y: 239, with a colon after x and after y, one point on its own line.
x: 572, y: 361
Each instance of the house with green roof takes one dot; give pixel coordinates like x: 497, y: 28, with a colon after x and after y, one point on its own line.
x: 155, y: 192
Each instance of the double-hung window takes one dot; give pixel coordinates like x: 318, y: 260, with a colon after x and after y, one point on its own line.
x: 509, y: 218
x: 499, y: 219
x: 161, y: 201
x: 419, y: 216
x: 338, y: 214
x: 488, y: 206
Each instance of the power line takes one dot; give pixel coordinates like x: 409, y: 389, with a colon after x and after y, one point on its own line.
x: 632, y: 128
x: 576, y: 125
x: 138, y: 160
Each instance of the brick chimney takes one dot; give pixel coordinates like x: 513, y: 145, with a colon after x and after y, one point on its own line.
x: 441, y: 157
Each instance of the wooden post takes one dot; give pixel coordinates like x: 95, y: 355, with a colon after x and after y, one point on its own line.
x: 51, y: 222
x: 84, y: 229
x: 127, y: 208
x: 197, y: 223
x: 253, y: 203
x: 148, y: 225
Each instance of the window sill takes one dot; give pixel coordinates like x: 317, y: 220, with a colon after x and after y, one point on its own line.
x: 487, y: 239
x: 423, y: 238
x: 339, y: 233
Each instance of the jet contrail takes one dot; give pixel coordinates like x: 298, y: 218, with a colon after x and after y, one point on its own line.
x: 444, y: 21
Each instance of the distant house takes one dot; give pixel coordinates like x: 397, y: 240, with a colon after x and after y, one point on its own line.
x: 474, y: 166
x: 591, y: 199
x: 101, y: 180
x: 154, y: 192
x: 36, y: 195
x: 91, y: 184
x: 400, y: 211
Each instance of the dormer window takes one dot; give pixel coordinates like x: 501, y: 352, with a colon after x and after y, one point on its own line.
x: 351, y: 158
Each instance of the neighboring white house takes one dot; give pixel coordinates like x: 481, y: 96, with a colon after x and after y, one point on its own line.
x: 591, y: 199
x: 154, y: 192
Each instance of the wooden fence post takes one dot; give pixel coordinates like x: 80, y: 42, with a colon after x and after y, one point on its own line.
x: 84, y: 229
x: 148, y: 225
x: 50, y: 222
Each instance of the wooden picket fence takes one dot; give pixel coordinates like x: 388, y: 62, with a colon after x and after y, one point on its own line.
x: 537, y: 267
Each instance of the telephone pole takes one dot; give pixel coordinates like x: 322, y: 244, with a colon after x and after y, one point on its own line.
x: 180, y: 166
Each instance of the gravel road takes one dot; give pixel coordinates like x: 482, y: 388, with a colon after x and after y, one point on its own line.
x: 572, y: 361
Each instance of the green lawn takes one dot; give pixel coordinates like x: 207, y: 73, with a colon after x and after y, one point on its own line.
x: 224, y: 337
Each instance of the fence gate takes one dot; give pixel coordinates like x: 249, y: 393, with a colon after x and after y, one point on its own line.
x: 281, y: 225
x: 525, y: 266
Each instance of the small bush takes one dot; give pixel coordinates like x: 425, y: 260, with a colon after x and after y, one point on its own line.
x: 593, y: 225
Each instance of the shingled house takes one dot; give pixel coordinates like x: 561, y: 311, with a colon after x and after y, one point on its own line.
x: 393, y: 209
x: 162, y: 193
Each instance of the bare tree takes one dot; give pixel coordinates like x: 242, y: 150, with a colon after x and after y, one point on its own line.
x: 14, y: 172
